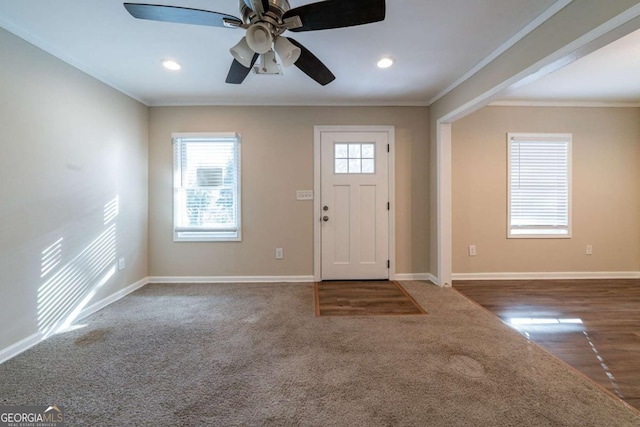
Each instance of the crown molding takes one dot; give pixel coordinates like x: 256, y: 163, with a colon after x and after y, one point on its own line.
x: 62, y: 56
x: 586, y: 104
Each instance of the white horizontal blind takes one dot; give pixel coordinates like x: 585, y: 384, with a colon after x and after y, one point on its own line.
x: 206, y: 187
x: 539, y: 185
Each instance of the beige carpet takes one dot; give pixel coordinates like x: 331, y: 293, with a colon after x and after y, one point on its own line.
x: 256, y: 355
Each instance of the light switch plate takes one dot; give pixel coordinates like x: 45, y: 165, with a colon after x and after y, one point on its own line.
x: 304, y: 194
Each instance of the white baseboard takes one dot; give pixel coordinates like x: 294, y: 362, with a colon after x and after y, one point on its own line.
x: 230, y: 279
x: 557, y: 275
x: 22, y: 345
x: 270, y: 279
x: 415, y: 276
x: 99, y: 305
x: 30, y: 341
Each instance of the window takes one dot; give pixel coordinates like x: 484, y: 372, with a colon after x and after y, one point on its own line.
x: 206, y: 187
x: 354, y: 158
x: 539, y: 185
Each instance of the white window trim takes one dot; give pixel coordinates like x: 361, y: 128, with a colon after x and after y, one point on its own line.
x: 568, y: 137
x: 231, y: 234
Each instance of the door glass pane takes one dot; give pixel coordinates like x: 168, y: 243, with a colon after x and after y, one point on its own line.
x: 355, y: 158
x: 354, y: 166
x: 342, y: 166
x: 368, y: 151
x: 341, y: 151
x: 368, y: 166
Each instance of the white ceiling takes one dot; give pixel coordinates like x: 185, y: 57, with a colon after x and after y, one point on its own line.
x: 608, y: 75
x: 434, y: 42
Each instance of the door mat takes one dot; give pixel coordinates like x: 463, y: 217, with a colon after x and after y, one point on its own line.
x: 364, y: 298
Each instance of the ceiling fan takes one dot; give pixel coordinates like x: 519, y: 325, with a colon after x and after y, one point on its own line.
x: 264, y: 22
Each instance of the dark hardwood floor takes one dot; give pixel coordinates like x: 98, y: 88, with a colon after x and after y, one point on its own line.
x: 593, y: 325
x: 363, y: 298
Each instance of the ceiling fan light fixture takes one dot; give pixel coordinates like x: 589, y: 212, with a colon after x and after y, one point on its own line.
x: 259, y: 38
x: 242, y: 53
x: 287, y: 51
x: 171, y: 64
x: 385, y: 62
x: 268, y: 64
x: 264, y: 21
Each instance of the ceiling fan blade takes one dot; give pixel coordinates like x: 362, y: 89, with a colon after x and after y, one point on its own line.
x: 312, y: 66
x: 182, y: 15
x: 238, y: 72
x: 337, y: 14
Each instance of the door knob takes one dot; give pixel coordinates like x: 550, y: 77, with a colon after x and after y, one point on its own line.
x: 325, y: 218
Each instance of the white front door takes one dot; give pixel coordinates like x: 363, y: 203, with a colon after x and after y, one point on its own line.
x: 354, y: 205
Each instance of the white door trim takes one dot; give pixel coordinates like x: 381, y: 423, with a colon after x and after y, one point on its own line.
x: 317, y: 242
x: 445, y: 214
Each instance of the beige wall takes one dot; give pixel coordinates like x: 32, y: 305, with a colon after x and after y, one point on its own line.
x: 277, y: 160
x: 70, y: 145
x: 605, y: 190
x: 576, y: 30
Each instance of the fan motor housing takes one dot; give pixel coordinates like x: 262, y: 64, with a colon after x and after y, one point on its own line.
x: 277, y: 8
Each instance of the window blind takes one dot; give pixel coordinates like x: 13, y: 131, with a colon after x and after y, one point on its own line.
x: 206, y: 187
x: 539, y: 185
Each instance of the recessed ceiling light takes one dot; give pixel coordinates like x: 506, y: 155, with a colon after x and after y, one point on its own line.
x: 385, y: 62
x: 170, y: 64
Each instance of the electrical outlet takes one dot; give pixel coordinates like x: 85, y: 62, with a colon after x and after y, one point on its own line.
x: 121, y: 264
x: 279, y: 253
x: 472, y: 250
x: 304, y: 195
x: 589, y: 250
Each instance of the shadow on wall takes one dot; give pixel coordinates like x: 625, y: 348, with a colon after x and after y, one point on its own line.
x: 68, y: 287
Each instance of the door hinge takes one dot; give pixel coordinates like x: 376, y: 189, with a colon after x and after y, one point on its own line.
x: 388, y: 149
x: 388, y: 206
x: 388, y: 264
